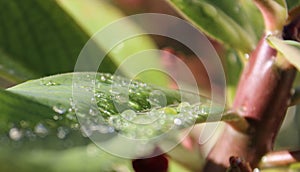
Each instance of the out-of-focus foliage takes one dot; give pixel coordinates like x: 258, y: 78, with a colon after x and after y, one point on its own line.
x: 227, y: 22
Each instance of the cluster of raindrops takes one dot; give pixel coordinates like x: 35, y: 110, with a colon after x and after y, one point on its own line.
x: 136, y: 110
x: 150, y: 124
x: 29, y: 130
x: 131, y: 108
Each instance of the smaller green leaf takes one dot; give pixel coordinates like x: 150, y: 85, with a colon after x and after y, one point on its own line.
x: 289, y: 49
x: 220, y: 21
x: 292, y: 3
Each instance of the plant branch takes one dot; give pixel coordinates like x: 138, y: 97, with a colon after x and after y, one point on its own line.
x: 262, y: 98
x: 281, y: 158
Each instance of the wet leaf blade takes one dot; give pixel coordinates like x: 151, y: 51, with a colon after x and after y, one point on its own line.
x: 15, y: 108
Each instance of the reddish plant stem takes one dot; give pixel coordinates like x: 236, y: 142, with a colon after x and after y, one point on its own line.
x: 262, y: 98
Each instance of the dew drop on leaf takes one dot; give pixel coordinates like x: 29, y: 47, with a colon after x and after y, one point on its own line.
x: 15, y: 134
x: 183, y: 107
x: 116, y: 122
x: 59, y: 109
x: 129, y: 115
x: 177, y: 121
x: 93, y: 112
x: 62, y: 132
x: 41, y: 130
x: 49, y: 83
x: 56, y: 117
x: 86, y: 131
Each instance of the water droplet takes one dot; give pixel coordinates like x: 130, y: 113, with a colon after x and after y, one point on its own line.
x: 247, y: 56
x: 56, y: 117
x: 86, y: 131
x: 15, y: 134
x: 102, y: 78
x: 62, y: 132
x: 149, y: 132
x: 93, y: 112
x: 102, y: 129
x: 41, y: 130
x: 72, y: 116
x: 49, y: 83
x: 162, y: 122
x: 74, y: 126
x: 93, y: 100
x: 121, y: 99
x: 30, y: 135
x: 59, y: 109
x: 256, y: 170
x: 157, y: 99
x: 129, y: 115
x: 183, y: 107
x: 177, y: 121
x: 24, y: 124
x: 116, y: 122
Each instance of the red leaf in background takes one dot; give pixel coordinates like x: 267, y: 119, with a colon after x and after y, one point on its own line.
x: 154, y: 164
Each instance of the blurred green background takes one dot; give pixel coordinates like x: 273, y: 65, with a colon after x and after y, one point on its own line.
x: 44, y: 37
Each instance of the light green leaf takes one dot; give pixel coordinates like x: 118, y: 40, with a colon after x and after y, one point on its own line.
x: 223, y: 21
x: 45, y: 103
x: 77, y: 159
x: 289, y: 49
x: 292, y: 3
x: 99, y: 16
x: 56, y: 91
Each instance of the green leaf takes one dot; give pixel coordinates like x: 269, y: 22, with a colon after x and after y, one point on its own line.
x: 12, y: 71
x: 292, y: 3
x: 40, y: 36
x: 233, y: 69
x: 224, y: 21
x: 100, y: 15
x: 77, y: 159
x: 46, y: 37
x: 290, y: 50
x: 114, y: 101
x: 39, y: 115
